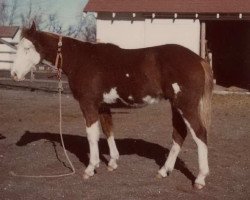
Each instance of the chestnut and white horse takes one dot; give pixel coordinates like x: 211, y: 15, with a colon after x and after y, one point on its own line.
x: 102, y: 76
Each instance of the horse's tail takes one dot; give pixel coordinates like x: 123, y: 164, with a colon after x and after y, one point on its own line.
x: 206, y: 99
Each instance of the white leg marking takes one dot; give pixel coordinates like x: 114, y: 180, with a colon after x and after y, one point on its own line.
x: 202, y: 155
x: 114, y: 154
x: 169, y: 164
x: 93, y: 134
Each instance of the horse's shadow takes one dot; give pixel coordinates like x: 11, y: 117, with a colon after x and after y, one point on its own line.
x: 2, y: 137
x: 79, y: 146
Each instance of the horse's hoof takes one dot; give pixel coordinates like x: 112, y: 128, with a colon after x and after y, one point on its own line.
x: 86, y: 176
x: 159, y: 176
x: 198, y: 186
x: 110, y: 169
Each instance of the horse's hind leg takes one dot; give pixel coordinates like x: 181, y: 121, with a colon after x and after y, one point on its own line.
x: 107, y: 126
x: 198, y: 131
x: 179, y: 135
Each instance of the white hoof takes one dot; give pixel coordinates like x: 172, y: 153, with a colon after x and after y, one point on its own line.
x: 198, y: 186
x: 86, y: 176
x: 162, y: 173
x: 110, y: 169
x: 112, y: 165
x: 199, y: 182
x: 89, y: 171
x: 159, y: 176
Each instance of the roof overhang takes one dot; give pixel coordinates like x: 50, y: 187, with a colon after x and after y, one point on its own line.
x: 8, y: 31
x: 194, y: 16
x: 188, y: 9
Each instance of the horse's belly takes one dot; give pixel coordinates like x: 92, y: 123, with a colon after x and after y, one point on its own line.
x: 116, y: 99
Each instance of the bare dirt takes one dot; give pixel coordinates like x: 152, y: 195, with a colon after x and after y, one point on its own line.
x: 30, y: 144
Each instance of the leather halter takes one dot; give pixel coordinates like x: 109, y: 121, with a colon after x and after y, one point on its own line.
x: 59, y: 58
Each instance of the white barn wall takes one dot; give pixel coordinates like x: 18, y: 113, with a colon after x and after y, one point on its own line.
x: 8, y: 56
x: 146, y: 33
x: 166, y: 31
x: 122, y: 33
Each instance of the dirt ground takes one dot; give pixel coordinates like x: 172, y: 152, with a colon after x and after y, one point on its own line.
x: 30, y: 145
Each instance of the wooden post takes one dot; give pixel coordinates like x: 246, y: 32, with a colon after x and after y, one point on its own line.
x: 32, y: 75
x: 203, y: 40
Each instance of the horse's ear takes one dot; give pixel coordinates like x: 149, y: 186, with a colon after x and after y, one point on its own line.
x: 33, y: 27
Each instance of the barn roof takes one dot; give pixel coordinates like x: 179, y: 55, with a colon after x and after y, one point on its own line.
x: 169, y: 6
x: 8, y: 31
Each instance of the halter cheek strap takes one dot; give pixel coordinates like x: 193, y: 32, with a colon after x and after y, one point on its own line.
x: 59, y: 58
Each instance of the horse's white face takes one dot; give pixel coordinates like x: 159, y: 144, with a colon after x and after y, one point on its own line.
x: 26, y: 58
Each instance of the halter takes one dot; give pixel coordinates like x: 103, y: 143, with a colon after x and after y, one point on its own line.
x: 59, y: 58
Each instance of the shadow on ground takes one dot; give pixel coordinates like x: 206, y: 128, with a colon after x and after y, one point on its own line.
x: 2, y: 137
x: 79, y: 146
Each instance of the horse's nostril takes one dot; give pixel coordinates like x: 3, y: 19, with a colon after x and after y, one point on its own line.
x: 13, y: 74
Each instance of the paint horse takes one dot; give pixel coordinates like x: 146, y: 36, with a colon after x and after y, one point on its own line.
x: 103, y: 76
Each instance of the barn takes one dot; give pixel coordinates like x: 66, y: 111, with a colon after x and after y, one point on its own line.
x: 217, y: 30
x: 10, y: 34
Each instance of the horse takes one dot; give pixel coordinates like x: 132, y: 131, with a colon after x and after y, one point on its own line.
x: 103, y: 76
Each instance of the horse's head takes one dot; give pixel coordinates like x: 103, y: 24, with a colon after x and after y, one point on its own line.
x: 27, y: 55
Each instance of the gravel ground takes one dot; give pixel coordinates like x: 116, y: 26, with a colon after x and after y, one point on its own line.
x: 30, y: 145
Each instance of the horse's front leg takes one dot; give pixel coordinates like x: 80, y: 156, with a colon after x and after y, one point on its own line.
x: 93, y: 129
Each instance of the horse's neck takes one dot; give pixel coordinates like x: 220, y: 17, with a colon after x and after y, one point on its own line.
x: 69, y: 50
x: 74, y: 54
x: 49, y: 43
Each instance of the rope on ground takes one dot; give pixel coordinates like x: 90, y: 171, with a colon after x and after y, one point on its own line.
x: 60, y: 88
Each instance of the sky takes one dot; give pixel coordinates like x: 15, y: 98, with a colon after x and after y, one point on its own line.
x: 67, y: 10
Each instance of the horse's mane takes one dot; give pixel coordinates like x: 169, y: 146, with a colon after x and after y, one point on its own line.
x: 27, y: 33
x: 24, y: 32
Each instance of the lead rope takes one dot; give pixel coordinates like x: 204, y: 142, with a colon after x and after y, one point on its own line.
x: 60, y: 89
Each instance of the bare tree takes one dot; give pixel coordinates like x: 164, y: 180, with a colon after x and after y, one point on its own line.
x: 31, y: 15
x: 90, y: 28
x: 8, y: 12
x: 53, y: 24
x: 84, y: 30
x: 12, y: 13
x: 2, y: 12
x: 9, y: 17
x: 70, y: 31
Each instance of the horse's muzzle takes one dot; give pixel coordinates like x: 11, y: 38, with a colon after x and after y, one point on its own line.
x: 15, y: 77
